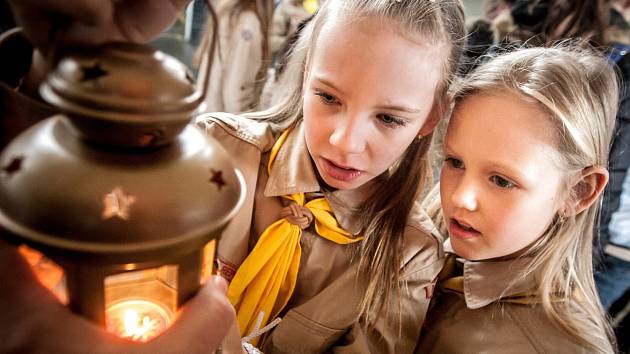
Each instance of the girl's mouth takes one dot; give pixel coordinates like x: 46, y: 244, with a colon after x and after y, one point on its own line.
x: 461, y: 230
x: 338, y: 172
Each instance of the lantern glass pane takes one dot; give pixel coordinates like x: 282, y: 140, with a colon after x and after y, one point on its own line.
x: 207, y: 266
x: 141, y: 304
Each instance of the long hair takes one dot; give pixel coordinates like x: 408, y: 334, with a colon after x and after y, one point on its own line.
x: 385, y: 213
x: 230, y: 10
x: 547, y: 21
x: 578, y: 90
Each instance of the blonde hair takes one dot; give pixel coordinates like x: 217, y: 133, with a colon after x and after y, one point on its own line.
x: 232, y: 9
x: 578, y: 90
x: 385, y: 213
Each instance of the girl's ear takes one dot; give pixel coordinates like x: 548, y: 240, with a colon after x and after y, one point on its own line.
x: 432, y: 120
x: 586, y: 190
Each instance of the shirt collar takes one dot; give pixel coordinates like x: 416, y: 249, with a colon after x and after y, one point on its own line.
x: 293, y: 172
x: 487, y: 281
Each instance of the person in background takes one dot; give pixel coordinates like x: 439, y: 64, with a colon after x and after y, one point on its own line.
x: 275, y: 88
x: 242, y: 56
x: 286, y: 18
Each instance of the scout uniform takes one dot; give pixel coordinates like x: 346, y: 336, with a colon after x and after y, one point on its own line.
x: 322, y: 314
x: 487, y: 311
x: 237, y: 61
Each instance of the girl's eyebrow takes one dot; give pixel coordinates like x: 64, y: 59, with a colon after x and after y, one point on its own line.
x: 327, y: 82
x: 400, y: 108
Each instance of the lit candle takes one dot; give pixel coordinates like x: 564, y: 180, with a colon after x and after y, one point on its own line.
x: 136, y: 319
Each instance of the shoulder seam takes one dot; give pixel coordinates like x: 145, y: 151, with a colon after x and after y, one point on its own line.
x: 530, y: 337
x: 235, y: 131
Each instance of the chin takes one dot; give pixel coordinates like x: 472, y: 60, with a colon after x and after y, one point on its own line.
x: 466, y: 252
x: 341, y: 185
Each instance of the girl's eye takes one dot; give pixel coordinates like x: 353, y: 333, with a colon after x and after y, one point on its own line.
x: 502, y: 182
x: 326, y: 98
x: 390, y: 120
x: 454, y: 163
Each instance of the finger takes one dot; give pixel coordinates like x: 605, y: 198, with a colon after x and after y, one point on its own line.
x: 42, y: 20
x: 134, y: 24
x: 87, y: 11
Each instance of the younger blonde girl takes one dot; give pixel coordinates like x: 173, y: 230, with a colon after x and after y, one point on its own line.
x: 525, y: 155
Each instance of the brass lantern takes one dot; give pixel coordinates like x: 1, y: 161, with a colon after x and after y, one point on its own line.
x: 119, y: 190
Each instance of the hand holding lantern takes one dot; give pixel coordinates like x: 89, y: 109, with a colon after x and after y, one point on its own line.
x: 99, y: 189
x: 33, y: 320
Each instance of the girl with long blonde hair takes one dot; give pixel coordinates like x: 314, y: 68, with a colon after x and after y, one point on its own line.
x: 525, y: 156
x: 330, y: 239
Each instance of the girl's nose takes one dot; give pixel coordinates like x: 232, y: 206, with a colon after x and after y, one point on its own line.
x: 349, y: 136
x: 465, y: 196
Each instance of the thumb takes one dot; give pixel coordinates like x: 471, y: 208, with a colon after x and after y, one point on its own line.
x: 202, y: 322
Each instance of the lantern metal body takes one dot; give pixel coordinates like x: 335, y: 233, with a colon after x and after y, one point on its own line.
x: 119, y: 189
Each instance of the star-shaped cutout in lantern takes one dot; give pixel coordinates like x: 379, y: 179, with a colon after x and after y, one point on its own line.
x: 116, y: 204
x: 92, y: 72
x: 217, y: 178
x: 151, y: 138
x: 13, y: 166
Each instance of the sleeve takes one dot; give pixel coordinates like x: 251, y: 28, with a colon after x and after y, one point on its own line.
x: 242, y: 66
x: 245, y: 141
x: 329, y: 322
x: 388, y: 334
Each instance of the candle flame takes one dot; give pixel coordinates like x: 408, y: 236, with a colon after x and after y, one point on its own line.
x: 138, y: 329
x: 137, y: 320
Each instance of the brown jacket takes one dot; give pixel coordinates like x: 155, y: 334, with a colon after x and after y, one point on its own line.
x: 322, y: 315
x: 480, y: 320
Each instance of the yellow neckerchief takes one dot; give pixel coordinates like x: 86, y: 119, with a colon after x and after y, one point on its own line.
x: 310, y: 6
x: 264, y: 282
x: 456, y: 284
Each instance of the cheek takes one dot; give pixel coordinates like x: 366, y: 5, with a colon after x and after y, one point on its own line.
x: 390, y: 146
x: 315, y: 128
x: 446, y: 190
x: 520, y: 224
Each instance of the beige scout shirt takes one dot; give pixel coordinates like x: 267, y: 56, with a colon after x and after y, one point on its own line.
x: 237, y: 60
x: 477, y: 321
x: 322, y: 315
